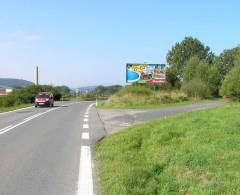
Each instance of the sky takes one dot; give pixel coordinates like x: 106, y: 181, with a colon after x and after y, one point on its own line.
x: 88, y: 42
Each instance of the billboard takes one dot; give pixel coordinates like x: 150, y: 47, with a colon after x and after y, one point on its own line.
x: 146, y: 73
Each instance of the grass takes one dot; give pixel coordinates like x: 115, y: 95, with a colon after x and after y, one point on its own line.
x: 194, y: 153
x: 141, y: 97
x: 146, y: 105
x: 11, y: 108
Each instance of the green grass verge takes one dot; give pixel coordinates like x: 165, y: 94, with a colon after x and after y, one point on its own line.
x: 194, y: 153
x: 148, y: 105
x: 11, y: 108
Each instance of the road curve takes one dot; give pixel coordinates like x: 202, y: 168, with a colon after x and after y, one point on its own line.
x: 40, y: 150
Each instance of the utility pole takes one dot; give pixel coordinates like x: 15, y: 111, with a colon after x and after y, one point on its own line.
x: 37, y: 82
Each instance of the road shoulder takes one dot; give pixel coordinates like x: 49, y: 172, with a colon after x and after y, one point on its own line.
x: 115, y: 120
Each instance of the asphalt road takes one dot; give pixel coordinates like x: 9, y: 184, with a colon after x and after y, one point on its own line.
x: 116, y: 119
x: 48, y: 151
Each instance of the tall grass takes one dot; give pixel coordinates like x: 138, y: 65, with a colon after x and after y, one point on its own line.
x: 143, y: 96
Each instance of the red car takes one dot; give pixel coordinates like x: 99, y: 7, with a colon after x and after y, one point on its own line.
x: 44, y: 99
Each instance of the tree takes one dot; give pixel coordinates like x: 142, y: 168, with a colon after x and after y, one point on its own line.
x: 196, y: 68
x: 227, y: 59
x: 231, y: 85
x: 199, y: 71
x: 214, y: 79
x: 181, y: 52
x: 171, y: 77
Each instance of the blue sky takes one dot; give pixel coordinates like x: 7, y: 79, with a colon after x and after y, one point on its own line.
x: 88, y: 42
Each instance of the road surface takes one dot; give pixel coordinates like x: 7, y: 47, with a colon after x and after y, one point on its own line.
x: 50, y: 151
x: 117, y: 119
x: 47, y: 151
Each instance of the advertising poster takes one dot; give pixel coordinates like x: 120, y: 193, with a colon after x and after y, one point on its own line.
x: 146, y: 73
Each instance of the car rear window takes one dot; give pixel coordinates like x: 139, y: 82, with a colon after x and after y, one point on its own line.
x: 42, y: 96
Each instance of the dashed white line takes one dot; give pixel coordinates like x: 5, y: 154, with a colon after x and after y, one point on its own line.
x: 26, y: 120
x: 85, y: 126
x: 85, y: 183
x: 85, y: 135
x: 85, y: 179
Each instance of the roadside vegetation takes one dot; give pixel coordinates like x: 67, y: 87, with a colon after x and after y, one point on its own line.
x: 140, y: 96
x: 194, y: 73
x: 101, y: 93
x: 194, y: 153
x: 25, y: 96
x: 11, y: 108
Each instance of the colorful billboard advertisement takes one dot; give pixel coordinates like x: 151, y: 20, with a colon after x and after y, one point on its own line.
x: 146, y: 73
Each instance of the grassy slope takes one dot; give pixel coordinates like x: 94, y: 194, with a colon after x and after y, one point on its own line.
x: 195, y: 153
x: 147, y: 105
x: 6, y: 109
x: 141, y: 97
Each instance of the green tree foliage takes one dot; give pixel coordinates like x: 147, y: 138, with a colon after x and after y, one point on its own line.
x: 107, y: 90
x: 27, y: 95
x: 227, y: 59
x: 231, y: 85
x: 181, y: 52
x: 201, y: 79
x: 171, y: 76
x: 214, y: 79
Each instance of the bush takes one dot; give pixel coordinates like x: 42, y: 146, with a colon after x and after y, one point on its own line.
x: 197, y: 89
x: 138, y: 96
x: 135, y: 90
x: 199, y: 75
x: 231, y: 85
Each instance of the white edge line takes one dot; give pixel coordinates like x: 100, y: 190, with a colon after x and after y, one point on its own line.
x: 2, y: 113
x: 85, y: 126
x: 85, y: 135
x: 85, y: 180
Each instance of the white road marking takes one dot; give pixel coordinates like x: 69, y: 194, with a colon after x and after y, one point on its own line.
x: 85, y: 135
x: 85, y: 126
x: 89, y: 107
x: 85, y: 183
x: 16, y: 110
x: 26, y: 120
x: 31, y: 117
x: 5, y: 128
x: 125, y: 124
x: 85, y: 179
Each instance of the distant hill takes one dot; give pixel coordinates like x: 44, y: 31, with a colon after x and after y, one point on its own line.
x: 15, y: 83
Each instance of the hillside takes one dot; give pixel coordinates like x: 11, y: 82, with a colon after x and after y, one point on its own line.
x: 15, y: 83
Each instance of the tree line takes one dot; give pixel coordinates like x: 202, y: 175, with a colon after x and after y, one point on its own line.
x: 195, y: 69
x: 27, y: 95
